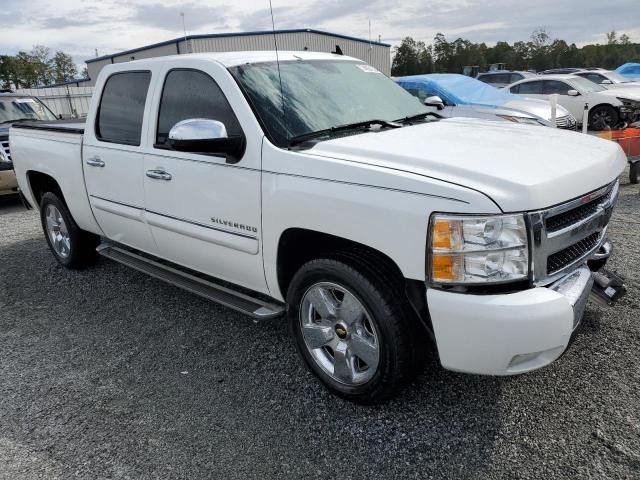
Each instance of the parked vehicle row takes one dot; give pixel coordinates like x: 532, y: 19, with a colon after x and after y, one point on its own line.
x: 606, y: 107
x: 455, y: 95
x: 314, y: 185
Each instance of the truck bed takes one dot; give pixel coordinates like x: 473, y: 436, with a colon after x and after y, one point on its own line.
x: 63, y: 126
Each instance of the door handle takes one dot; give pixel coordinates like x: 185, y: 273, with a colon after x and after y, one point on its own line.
x: 159, y: 174
x: 95, y: 161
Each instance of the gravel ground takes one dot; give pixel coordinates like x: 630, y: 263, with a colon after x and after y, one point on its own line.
x: 108, y: 373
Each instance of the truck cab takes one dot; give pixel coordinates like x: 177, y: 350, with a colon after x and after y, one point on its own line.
x: 311, y: 186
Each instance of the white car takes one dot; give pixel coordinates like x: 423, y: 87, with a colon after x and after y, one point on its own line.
x: 606, y: 107
x: 609, y: 79
x: 318, y: 189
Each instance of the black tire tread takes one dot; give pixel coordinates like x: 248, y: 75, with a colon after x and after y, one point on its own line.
x: 380, y: 281
x: 83, y: 244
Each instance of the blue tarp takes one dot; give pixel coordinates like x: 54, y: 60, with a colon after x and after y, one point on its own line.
x: 457, y: 89
x: 631, y: 70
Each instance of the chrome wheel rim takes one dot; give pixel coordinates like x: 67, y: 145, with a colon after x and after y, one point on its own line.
x: 339, y: 333
x: 58, y: 231
x: 602, y: 118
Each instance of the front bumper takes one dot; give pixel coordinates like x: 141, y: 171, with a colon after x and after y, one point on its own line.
x: 8, y: 182
x: 510, y: 333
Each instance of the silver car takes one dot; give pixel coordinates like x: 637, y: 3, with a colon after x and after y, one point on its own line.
x: 454, y: 95
x: 502, y: 78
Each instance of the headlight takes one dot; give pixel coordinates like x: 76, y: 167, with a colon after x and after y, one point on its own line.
x: 526, y: 120
x: 477, y: 249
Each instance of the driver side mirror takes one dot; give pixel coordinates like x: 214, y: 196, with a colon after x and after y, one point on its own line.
x: 203, y: 135
x: 606, y: 82
x: 573, y: 93
x: 434, y: 101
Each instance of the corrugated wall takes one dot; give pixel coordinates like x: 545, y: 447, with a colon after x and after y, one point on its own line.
x: 376, y: 55
x: 70, y: 102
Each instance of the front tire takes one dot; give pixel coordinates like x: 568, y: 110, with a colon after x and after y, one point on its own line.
x: 603, y: 118
x: 352, y: 327
x: 72, y: 247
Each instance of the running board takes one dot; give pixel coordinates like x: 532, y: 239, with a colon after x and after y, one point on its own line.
x: 246, y: 304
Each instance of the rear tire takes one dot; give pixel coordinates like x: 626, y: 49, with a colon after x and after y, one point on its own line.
x: 603, y: 118
x: 634, y: 170
x: 72, y: 247
x: 353, y: 328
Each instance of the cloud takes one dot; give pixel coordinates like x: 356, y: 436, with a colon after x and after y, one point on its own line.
x: 168, y: 17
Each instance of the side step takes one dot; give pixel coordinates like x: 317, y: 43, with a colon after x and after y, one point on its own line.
x: 246, y: 304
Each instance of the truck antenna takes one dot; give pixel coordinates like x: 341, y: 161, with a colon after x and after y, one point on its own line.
x: 275, y: 42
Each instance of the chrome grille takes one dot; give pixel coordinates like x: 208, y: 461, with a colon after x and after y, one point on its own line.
x: 566, y: 236
x: 568, y: 122
x: 561, y: 259
x: 4, y: 144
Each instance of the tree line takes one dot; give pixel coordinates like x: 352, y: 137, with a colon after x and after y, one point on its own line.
x: 413, y: 57
x: 38, y: 67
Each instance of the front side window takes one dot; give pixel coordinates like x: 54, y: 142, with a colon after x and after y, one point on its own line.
x: 530, y: 88
x: 516, y: 77
x: 191, y: 94
x: 121, y: 108
x: 490, y: 79
x: 554, y: 86
x: 321, y: 94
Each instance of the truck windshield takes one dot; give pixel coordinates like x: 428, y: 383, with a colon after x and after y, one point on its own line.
x: 14, y: 109
x: 321, y: 94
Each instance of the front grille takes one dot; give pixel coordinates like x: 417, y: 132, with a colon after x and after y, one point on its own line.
x: 568, y: 122
x: 5, y: 149
x: 566, y: 257
x: 571, y: 217
x: 565, y: 236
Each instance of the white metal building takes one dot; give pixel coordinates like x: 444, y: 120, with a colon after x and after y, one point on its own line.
x: 375, y: 53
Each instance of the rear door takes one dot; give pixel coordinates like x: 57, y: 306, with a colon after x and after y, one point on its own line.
x: 205, y: 211
x: 113, y: 159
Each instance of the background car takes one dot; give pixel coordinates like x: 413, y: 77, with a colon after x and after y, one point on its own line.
x: 608, y: 78
x: 502, y: 78
x: 460, y: 96
x: 606, y: 107
x: 629, y: 70
x: 16, y: 108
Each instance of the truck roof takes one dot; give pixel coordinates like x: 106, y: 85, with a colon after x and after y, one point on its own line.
x: 233, y: 59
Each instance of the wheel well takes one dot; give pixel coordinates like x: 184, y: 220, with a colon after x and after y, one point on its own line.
x: 41, y: 183
x: 602, y: 105
x: 297, y: 246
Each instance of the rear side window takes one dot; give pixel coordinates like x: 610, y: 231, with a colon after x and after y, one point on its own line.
x: 531, y: 88
x: 516, y: 77
x: 193, y: 94
x: 488, y: 78
x: 121, y: 108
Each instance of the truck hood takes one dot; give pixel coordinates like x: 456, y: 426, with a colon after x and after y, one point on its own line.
x: 520, y: 167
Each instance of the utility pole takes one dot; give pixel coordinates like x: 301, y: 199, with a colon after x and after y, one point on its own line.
x: 184, y: 29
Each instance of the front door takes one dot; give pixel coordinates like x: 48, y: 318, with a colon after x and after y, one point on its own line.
x: 203, y: 210
x: 113, y: 160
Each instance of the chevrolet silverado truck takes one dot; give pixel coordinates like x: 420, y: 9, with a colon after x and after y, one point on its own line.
x: 311, y: 185
x: 14, y: 108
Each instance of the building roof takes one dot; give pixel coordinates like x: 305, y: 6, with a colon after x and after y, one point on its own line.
x: 227, y: 35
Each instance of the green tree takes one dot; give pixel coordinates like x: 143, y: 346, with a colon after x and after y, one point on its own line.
x: 63, y: 68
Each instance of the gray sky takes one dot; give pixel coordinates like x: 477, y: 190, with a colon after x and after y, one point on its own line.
x: 80, y: 26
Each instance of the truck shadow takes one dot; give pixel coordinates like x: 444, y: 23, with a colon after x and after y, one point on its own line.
x: 120, y: 356
x: 10, y: 204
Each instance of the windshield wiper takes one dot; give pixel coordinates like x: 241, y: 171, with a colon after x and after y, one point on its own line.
x: 341, y: 128
x: 419, y: 116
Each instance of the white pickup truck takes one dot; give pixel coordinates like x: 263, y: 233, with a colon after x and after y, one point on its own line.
x: 316, y: 186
